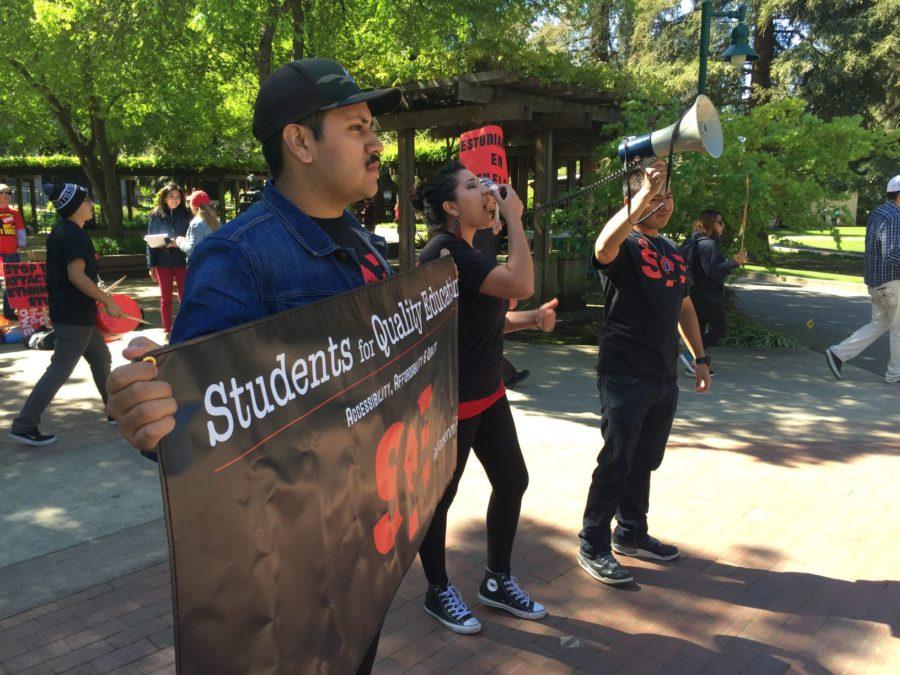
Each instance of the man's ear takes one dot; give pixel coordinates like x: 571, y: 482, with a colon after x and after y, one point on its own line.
x: 299, y: 142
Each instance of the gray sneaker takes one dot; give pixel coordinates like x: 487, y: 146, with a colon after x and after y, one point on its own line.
x: 834, y: 363
x: 649, y: 548
x: 605, y: 568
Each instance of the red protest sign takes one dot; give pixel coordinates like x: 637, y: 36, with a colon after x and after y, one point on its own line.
x: 26, y: 285
x: 481, y: 152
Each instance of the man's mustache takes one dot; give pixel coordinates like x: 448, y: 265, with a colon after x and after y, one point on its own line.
x: 373, y: 158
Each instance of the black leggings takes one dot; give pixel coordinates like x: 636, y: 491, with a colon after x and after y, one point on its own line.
x: 711, y: 313
x: 493, y: 437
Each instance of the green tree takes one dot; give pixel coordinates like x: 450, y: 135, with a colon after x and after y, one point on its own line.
x: 97, y: 66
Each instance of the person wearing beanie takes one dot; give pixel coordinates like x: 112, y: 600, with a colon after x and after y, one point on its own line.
x: 203, y: 223
x: 73, y: 295
x: 882, y: 276
x: 167, y: 263
x: 12, y: 238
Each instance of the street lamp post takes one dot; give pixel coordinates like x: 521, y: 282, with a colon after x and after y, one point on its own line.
x: 737, y: 53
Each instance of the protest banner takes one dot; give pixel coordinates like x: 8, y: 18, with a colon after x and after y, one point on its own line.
x: 309, y: 452
x: 26, y: 284
x: 481, y: 151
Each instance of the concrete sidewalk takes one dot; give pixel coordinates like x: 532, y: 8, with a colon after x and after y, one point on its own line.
x: 779, y: 486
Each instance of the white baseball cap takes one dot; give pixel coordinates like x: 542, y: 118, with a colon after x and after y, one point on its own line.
x: 894, y: 184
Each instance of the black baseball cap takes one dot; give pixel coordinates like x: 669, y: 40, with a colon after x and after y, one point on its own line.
x: 304, y: 86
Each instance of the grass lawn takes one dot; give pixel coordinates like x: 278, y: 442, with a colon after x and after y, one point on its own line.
x: 848, y: 243
x: 853, y: 238
x: 807, y: 274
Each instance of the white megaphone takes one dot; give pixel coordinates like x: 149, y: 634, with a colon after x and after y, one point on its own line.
x: 699, y: 130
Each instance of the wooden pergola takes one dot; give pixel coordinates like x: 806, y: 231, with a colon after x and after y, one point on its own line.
x: 546, y: 127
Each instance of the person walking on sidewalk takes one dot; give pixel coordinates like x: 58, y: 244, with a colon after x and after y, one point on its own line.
x: 646, y: 303
x: 882, y: 276
x: 456, y: 205
x: 168, y: 264
x: 73, y: 295
x: 297, y: 244
x: 709, y: 269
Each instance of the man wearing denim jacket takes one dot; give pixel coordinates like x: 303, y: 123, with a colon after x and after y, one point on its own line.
x: 297, y: 245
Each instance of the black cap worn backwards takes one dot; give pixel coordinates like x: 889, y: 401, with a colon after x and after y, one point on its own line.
x: 304, y: 86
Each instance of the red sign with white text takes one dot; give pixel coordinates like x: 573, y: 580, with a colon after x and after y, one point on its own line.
x: 481, y: 152
x: 26, y: 285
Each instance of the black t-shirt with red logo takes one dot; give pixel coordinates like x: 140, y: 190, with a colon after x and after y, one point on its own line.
x: 481, y: 317
x: 341, y: 232
x: 642, y: 289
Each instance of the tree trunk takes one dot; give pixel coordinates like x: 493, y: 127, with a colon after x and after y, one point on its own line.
x: 297, y: 20
x: 266, y: 38
x: 764, y: 43
x: 108, y: 192
x: 600, y: 31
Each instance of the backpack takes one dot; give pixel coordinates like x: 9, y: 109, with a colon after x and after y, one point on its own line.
x: 688, y: 250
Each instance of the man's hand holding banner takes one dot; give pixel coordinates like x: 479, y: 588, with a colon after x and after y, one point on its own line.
x: 309, y: 452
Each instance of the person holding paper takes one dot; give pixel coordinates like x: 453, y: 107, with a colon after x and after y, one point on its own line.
x: 456, y: 205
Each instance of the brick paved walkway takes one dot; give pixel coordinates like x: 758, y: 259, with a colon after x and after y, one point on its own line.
x: 782, y: 500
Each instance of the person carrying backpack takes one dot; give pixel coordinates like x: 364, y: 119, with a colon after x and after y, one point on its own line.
x: 709, y: 269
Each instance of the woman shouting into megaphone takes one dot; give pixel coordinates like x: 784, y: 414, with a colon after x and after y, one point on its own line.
x: 456, y: 205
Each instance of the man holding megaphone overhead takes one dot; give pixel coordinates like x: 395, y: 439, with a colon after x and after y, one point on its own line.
x: 646, y: 303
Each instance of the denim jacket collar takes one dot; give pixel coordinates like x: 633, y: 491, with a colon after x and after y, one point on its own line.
x: 300, y: 225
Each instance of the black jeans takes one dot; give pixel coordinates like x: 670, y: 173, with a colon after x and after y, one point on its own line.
x: 492, y: 435
x: 711, y: 317
x: 636, y: 416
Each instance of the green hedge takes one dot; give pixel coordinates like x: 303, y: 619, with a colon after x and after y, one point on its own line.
x: 140, y: 163
x: 428, y: 153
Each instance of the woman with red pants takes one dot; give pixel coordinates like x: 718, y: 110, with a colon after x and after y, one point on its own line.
x: 167, y: 263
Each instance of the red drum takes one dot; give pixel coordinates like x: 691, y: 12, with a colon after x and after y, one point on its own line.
x: 111, y: 328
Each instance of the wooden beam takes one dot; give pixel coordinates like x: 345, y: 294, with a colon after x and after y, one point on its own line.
x: 129, y: 198
x: 544, y: 179
x: 220, y: 188
x: 465, y: 116
x: 406, y: 172
x: 19, y: 194
x: 32, y: 197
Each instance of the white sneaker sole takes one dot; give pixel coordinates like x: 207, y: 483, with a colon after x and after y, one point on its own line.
x: 512, y: 610
x: 35, y: 444
x: 642, y: 553
x: 609, y: 582
x: 455, y: 627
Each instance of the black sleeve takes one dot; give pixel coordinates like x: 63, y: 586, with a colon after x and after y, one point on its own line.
x: 713, y: 262
x: 473, y: 266
x: 77, y: 246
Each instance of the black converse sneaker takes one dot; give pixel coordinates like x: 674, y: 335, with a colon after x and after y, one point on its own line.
x: 605, y: 568
x: 446, y: 605
x: 648, y: 547
x: 33, y: 437
x: 503, y: 591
